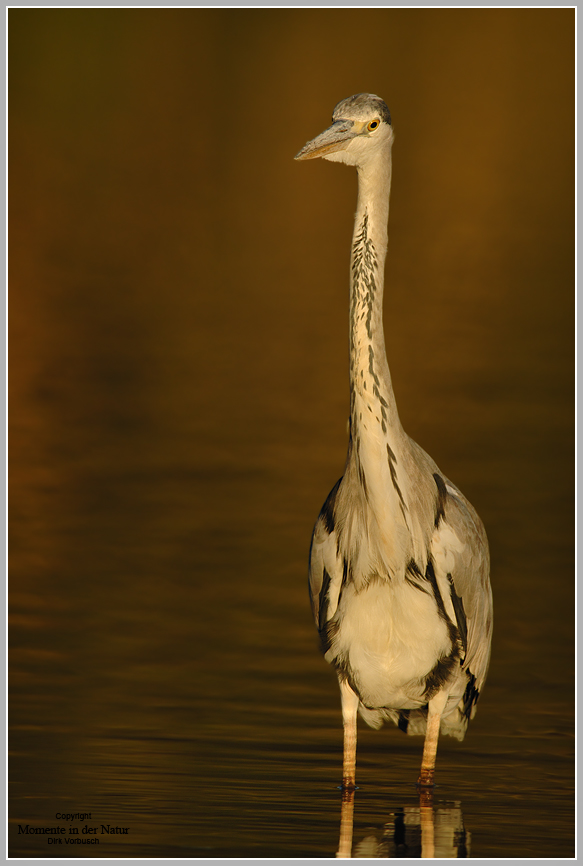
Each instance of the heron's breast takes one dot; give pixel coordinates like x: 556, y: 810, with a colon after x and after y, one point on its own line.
x: 390, y: 636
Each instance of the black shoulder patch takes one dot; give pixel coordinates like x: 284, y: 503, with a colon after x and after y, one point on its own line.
x: 414, y: 569
x: 460, y: 613
x: 327, y: 512
x: 403, y: 722
x: 430, y: 575
x: 346, y: 571
x: 441, y: 497
x: 323, y: 601
x: 454, y: 631
x: 471, y: 695
x: 414, y: 576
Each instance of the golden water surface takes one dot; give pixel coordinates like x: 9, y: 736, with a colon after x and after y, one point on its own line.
x: 178, y: 402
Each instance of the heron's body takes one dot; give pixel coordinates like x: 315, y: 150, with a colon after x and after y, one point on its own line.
x: 399, y: 564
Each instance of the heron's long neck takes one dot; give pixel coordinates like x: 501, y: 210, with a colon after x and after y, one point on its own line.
x: 382, y: 467
x: 372, y: 400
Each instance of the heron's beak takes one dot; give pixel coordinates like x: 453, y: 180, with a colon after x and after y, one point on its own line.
x: 332, y: 139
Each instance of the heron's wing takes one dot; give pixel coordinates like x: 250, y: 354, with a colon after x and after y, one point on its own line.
x: 459, y: 549
x: 325, y: 571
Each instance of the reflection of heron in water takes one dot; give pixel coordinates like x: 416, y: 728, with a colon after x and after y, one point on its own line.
x: 413, y: 831
x: 399, y: 564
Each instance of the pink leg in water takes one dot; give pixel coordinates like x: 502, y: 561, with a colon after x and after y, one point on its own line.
x: 349, y: 710
x: 435, y: 709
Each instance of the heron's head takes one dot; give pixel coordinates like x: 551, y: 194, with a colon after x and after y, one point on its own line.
x: 361, y: 127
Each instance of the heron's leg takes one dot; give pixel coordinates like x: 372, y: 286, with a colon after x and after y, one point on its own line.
x: 349, y: 710
x: 346, y: 824
x: 435, y: 709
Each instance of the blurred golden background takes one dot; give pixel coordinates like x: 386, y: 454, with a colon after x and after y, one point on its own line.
x: 178, y: 386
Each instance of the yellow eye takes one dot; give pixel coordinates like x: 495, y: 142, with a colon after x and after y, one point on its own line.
x: 373, y: 125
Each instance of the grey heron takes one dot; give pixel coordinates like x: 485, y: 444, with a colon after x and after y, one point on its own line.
x: 399, y: 561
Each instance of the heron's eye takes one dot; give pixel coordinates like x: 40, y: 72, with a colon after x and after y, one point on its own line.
x: 373, y: 125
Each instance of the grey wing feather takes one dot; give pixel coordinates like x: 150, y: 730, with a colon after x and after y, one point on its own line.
x: 459, y: 549
x: 459, y: 552
x: 325, y: 571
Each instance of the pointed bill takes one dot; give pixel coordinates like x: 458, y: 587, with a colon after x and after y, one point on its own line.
x: 332, y: 139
